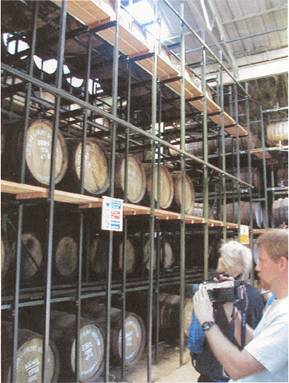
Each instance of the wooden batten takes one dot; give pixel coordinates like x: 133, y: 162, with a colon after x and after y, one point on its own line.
x: 259, y: 153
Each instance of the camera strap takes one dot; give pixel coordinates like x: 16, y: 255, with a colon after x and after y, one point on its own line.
x: 244, y: 308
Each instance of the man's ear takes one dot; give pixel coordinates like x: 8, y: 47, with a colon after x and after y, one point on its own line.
x: 283, y: 263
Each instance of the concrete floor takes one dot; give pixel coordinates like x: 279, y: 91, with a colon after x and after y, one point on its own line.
x: 167, y: 370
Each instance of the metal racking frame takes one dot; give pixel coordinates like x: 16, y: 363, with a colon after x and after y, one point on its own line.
x: 155, y: 281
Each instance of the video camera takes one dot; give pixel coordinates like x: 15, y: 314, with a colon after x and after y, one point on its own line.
x: 224, y: 291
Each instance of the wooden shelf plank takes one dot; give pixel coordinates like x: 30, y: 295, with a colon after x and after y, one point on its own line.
x: 24, y: 191
x: 258, y: 152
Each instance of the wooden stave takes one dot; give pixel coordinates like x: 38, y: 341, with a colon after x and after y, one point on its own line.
x: 24, y: 337
x: 98, y: 312
x: 177, y: 177
x: 166, y: 174
x: 73, y: 177
x: 119, y: 180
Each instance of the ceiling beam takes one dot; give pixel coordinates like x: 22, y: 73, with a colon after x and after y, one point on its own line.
x: 255, y: 14
x: 223, y: 35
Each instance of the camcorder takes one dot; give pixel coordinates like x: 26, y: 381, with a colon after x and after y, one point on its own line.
x: 224, y: 291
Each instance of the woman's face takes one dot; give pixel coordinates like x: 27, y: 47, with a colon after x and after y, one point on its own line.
x: 221, y: 267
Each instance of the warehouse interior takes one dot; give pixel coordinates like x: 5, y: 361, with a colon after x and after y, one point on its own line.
x: 175, y: 110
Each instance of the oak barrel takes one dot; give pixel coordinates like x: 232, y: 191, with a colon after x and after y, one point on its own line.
x: 167, y: 256
x: 63, y: 333
x: 136, y: 178
x: 277, y: 132
x: 96, y: 170
x: 189, y: 191
x: 134, y: 332
x: 282, y: 177
x: 65, y: 257
x: 98, y: 254
x: 32, y: 258
x: 29, y: 356
x: 130, y: 256
x: 232, y: 213
x: 5, y: 255
x: 170, y: 314
x: 38, y: 152
x: 166, y: 190
x: 280, y: 212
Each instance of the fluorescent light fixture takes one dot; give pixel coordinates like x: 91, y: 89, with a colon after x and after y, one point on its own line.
x: 75, y: 81
x: 142, y: 12
x: 210, y: 27
x: 11, y: 45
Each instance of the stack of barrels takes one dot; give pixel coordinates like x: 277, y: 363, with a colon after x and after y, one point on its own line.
x: 137, y: 256
x: 134, y: 332
x: 68, y: 168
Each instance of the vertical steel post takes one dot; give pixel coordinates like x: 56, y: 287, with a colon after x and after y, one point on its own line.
x: 20, y: 208
x: 47, y: 305
x: 124, y: 247
x: 237, y: 156
x: 266, y: 223
x: 81, y: 217
x: 223, y: 150
x: 247, y: 112
x: 152, y: 201
x: 157, y: 306
x: 205, y: 168
x: 112, y: 179
x: 183, y: 170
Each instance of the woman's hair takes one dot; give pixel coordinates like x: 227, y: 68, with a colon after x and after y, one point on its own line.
x: 237, y: 258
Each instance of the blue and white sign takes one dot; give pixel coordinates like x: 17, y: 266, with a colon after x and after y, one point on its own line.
x: 112, y: 214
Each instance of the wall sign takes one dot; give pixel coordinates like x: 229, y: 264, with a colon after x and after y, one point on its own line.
x: 112, y: 214
x: 244, y: 235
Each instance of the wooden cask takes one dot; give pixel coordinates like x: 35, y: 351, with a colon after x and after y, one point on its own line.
x: 96, y: 172
x: 277, y: 132
x: 66, y: 257
x: 167, y: 256
x: 32, y: 257
x: 170, y: 314
x: 282, y: 177
x: 136, y: 186
x: 98, y: 255
x: 131, y: 257
x: 189, y: 192
x: 232, y: 213
x: 29, y: 356
x: 63, y: 332
x: 5, y: 255
x: 38, y: 153
x: 134, y: 332
x: 166, y: 189
x: 280, y: 212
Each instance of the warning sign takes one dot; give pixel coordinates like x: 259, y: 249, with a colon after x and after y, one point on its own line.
x: 112, y: 214
x: 244, y: 235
